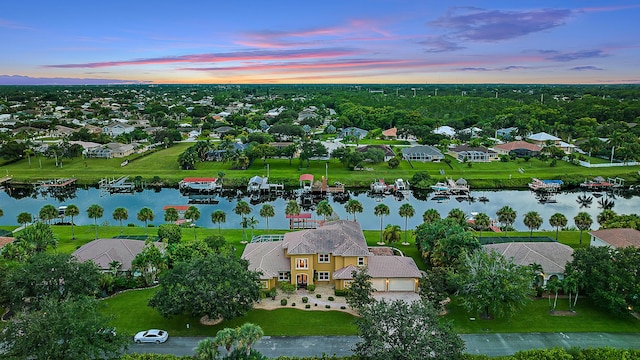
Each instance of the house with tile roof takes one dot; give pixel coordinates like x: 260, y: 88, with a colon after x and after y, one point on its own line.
x: 421, y: 153
x: 551, y: 256
x: 328, y: 255
x: 104, y: 251
x: 542, y: 139
x: 473, y: 153
x: 616, y: 238
x: 518, y: 148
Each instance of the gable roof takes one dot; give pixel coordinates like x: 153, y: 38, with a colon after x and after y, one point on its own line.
x: 518, y: 145
x: 345, y: 273
x: 552, y: 256
x: 390, y: 132
x: 422, y: 149
x: 618, y: 238
x: 339, y: 238
x: 543, y: 136
x: 266, y: 258
x: 103, y: 251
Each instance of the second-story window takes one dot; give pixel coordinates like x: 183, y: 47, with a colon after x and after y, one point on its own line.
x: 361, y: 261
x: 301, y: 263
x: 323, y: 258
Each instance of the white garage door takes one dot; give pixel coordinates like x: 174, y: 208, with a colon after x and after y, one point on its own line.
x: 379, y: 284
x: 401, y: 284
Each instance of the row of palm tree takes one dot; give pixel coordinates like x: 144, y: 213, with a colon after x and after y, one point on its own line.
x: 533, y: 220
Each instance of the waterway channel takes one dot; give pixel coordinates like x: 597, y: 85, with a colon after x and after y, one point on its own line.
x: 521, y: 201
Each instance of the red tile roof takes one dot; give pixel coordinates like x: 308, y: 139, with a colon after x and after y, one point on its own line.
x: 518, y: 145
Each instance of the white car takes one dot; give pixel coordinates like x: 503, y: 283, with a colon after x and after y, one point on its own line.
x: 151, y: 336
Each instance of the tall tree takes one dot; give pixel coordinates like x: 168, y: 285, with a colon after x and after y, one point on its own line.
x: 146, y: 214
x: 267, y: 211
x: 72, y: 329
x: 48, y: 213
x: 171, y: 215
x: 353, y: 206
x: 292, y: 209
x: 490, y: 284
x: 506, y: 217
x: 170, y: 233
x: 458, y: 216
x: 202, y: 287
x: 558, y: 220
x: 218, y: 217
x: 324, y: 209
x: 95, y: 212
x: 392, y: 234
x: 583, y: 222
x: 481, y: 221
x: 605, y: 216
x: 120, y: 214
x: 430, y: 215
x: 360, y: 292
x: 149, y: 262
x: 416, y: 332
x: 406, y: 211
x: 72, y: 211
x: 24, y: 218
x: 533, y: 221
x: 243, y: 209
x: 192, y: 214
x: 381, y: 210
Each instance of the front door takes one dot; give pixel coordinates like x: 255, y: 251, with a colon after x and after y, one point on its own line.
x: 302, y: 280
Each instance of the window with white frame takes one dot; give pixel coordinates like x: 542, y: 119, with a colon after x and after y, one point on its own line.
x: 302, y: 263
x: 323, y: 258
x: 347, y: 284
x: 324, y: 276
x: 283, y: 276
x: 361, y: 261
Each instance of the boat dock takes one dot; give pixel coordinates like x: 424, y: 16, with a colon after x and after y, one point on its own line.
x: 261, y: 185
x: 545, y: 185
x: 57, y: 182
x: 199, y: 185
x: 116, y: 186
x: 303, y: 221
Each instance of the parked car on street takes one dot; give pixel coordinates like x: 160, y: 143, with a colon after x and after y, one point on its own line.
x: 151, y: 336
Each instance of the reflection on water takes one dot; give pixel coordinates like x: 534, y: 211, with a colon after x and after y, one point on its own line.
x: 567, y: 203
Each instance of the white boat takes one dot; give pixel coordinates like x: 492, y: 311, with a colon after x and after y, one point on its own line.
x: 401, y: 185
x: 440, y: 186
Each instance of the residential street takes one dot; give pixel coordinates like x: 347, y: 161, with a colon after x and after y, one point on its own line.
x: 489, y: 344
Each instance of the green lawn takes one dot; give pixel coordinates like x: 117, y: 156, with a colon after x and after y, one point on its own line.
x: 131, y: 314
x: 536, y: 318
x: 163, y: 164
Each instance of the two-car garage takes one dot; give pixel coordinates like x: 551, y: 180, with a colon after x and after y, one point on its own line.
x: 394, y: 284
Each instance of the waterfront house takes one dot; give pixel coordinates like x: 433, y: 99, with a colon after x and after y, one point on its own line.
x: 551, y: 256
x: 616, y: 238
x: 473, y: 154
x: 518, y: 148
x: 422, y: 153
x: 329, y: 255
x: 543, y: 139
x: 111, y: 150
x: 386, y: 149
x: 103, y: 252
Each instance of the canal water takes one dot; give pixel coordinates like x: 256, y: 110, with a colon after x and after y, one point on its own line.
x: 521, y: 201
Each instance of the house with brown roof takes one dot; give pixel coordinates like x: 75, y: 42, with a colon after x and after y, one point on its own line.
x: 551, y: 256
x: 518, y: 148
x: 328, y: 255
x: 616, y: 238
x: 4, y: 240
x: 390, y: 134
x: 105, y: 251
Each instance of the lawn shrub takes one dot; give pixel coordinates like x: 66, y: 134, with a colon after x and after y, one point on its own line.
x: 305, y: 299
x: 308, y: 306
x: 283, y: 302
x: 318, y: 296
x: 328, y: 306
x: 311, y: 288
x: 343, y: 307
x: 341, y: 292
x: 293, y: 304
x: 330, y: 298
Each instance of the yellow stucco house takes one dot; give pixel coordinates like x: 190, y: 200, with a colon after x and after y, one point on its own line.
x: 328, y: 255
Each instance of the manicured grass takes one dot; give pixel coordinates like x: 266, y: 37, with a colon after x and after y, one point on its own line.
x: 536, y: 318
x: 131, y: 313
x: 163, y: 163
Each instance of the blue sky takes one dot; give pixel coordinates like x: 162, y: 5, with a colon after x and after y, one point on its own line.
x: 347, y: 41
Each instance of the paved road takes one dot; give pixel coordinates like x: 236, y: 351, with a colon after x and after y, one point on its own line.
x: 489, y: 344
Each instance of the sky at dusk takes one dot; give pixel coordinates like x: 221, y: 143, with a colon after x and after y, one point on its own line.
x: 310, y: 42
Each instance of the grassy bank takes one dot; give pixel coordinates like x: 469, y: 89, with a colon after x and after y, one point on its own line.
x: 163, y: 164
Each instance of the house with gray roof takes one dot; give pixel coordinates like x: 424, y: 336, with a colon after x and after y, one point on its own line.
x: 616, y: 238
x: 105, y: 251
x: 422, y: 153
x: 353, y: 131
x: 551, y: 256
x: 328, y: 255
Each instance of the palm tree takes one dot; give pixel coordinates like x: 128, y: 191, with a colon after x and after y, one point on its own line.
x: 24, y: 218
x: 583, y: 222
x: 120, y: 214
x: 458, y: 216
x: 392, y: 234
x: 218, y: 217
x: 243, y: 209
x: 192, y: 214
x: 72, y: 211
x: 605, y: 216
x: 324, y: 209
x: 381, y: 210
x: 1, y: 213
x: 226, y: 337
x: 248, y: 334
x: 95, y: 212
x: 506, y: 217
x: 146, y: 214
x: 593, y: 144
x: 292, y: 209
x: 406, y: 211
x: 533, y: 221
x: 353, y: 206
x: 249, y: 222
x: 171, y: 215
x: 481, y: 221
x: 558, y: 220
x: 207, y: 349
x: 267, y: 211
x: 48, y: 213
x: 430, y: 215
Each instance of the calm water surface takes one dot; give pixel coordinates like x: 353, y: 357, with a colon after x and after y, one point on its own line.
x: 520, y: 201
